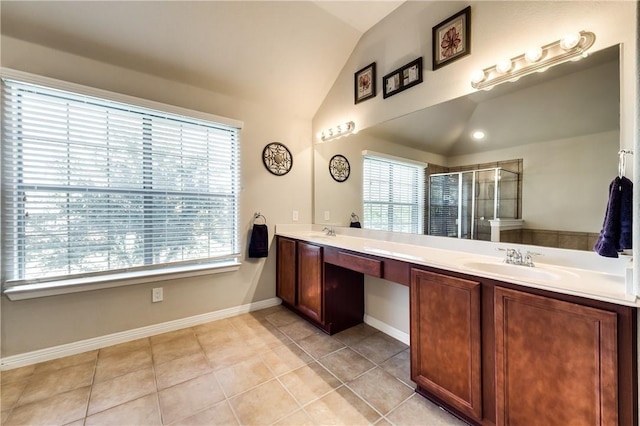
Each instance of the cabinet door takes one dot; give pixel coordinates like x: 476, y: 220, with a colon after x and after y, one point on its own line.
x: 310, y: 280
x: 445, y: 339
x: 286, y: 271
x: 556, y: 362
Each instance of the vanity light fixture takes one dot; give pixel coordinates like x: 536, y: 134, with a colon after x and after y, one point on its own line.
x: 571, y: 47
x: 338, y: 131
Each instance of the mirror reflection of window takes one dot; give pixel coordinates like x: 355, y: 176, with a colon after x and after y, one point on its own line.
x: 393, y: 194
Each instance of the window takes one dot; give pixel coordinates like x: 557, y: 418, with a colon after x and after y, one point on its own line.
x: 393, y: 193
x: 94, y: 186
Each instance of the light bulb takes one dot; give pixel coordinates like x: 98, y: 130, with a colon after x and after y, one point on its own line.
x: 570, y: 41
x: 478, y: 135
x: 504, y: 66
x: 533, y: 55
x: 478, y: 76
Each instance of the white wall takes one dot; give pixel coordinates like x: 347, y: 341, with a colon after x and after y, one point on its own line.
x: 39, y: 323
x: 501, y: 29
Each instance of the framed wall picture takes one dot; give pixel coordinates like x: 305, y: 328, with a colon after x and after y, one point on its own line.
x: 339, y: 168
x: 452, y: 38
x: 402, y: 78
x: 277, y: 158
x: 365, y: 83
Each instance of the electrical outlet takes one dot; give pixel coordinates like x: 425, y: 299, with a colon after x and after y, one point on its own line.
x: 327, y: 215
x: 294, y: 216
x: 156, y: 295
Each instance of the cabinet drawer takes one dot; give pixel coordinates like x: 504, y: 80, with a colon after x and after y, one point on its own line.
x: 354, y: 262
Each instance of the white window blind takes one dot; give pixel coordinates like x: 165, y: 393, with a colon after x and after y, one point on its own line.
x: 93, y: 186
x: 393, y: 194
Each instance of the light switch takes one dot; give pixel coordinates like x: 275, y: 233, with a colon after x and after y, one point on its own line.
x: 327, y: 215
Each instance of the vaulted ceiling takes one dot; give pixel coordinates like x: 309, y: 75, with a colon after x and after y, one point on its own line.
x: 286, y: 53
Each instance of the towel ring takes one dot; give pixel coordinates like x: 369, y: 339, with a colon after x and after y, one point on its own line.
x: 622, y: 161
x: 257, y: 216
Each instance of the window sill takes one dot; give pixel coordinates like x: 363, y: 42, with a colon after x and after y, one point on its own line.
x: 77, y: 285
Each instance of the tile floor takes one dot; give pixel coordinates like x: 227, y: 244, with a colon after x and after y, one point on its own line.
x: 268, y: 367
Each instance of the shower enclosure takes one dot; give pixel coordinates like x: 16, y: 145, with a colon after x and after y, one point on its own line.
x: 461, y: 204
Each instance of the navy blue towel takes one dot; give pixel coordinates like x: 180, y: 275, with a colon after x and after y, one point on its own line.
x: 616, y: 234
x: 259, y: 242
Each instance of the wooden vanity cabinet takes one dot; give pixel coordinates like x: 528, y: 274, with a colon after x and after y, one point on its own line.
x: 446, y: 339
x: 286, y: 277
x: 310, y: 281
x: 329, y: 296
x: 556, y: 362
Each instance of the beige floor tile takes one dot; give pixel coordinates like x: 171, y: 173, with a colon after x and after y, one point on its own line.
x: 218, y: 415
x: 121, y: 363
x: 346, y: 364
x: 298, y: 330
x: 399, y: 366
x: 264, y: 405
x: 124, y: 347
x: 381, y: 390
x: 284, y: 358
x: 207, y: 327
x: 320, y: 344
x: 299, y: 418
x: 379, y: 347
x: 229, y: 354
x: 355, y: 334
x: 141, y: 411
x: 68, y: 361
x: 171, y: 335
x: 341, y: 407
x: 418, y: 410
x: 181, y: 369
x: 16, y: 374
x: 309, y: 382
x: 121, y: 389
x: 175, y: 348
x: 216, y: 338
x: 3, y: 416
x: 263, y: 313
x: 79, y: 422
x: 383, y: 422
x: 263, y: 338
x: 243, y: 376
x: 186, y: 399
x: 10, y: 393
x: 282, y: 318
x: 53, y: 382
x: 56, y: 410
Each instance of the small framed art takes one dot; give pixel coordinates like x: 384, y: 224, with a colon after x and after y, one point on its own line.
x: 452, y: 39
x: 365, y: 83
x: 402, y: 78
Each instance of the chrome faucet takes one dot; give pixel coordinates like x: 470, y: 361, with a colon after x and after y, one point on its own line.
x: 329, y: 232
x: 514, y: 257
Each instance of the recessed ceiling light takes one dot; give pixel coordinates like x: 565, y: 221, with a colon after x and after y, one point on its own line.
x: 478, y: 135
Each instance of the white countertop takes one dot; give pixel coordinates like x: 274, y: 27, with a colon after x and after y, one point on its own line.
x: 570, y: 272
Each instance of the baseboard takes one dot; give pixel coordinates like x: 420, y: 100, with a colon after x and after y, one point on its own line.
x: 387, y: 329
x: 15, y: 361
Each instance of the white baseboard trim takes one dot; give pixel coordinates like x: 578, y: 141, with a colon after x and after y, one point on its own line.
x: 387, y: 329
x: 40, y: 355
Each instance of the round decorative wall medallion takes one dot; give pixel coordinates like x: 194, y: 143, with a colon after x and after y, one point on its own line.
x: 339, y: 168
x: 277, y: 158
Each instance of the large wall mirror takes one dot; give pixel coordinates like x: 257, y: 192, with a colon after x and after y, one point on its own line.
x: 559, y: 130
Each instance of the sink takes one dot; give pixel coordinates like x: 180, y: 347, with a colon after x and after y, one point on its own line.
x: 513, y: 271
